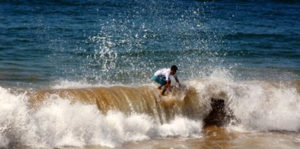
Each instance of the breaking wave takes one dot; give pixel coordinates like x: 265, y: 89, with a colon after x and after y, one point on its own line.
x: 111, y: 116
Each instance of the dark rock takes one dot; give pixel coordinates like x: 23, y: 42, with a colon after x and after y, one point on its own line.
x: 219, y: 115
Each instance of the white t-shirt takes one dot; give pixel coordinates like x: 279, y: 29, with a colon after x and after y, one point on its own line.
x: 164, y: 72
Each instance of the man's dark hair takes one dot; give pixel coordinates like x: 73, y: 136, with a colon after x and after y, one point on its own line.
x: 174, y: 67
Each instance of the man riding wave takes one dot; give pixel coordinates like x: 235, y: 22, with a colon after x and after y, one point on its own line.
x: 162, y: 77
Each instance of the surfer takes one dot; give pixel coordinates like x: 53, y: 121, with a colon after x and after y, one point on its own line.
x: 162, y: 77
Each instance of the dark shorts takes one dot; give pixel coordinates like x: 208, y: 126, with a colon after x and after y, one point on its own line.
x: 160, y: 79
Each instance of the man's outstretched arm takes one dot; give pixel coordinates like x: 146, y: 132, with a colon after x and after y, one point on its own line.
x: 177, y: 80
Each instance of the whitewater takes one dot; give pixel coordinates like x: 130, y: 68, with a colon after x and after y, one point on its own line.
x: 111, y: 116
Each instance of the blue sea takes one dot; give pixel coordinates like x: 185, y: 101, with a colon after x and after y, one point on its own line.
x: 77, y: 73
x: 125, y: 42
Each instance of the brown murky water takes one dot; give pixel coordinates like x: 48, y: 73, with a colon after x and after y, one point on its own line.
x: 216, y: 138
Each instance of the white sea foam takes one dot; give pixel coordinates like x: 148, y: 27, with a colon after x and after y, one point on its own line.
x: 262, y: 106
x: 67, y: 84
x: 258, y: 105
x: 64, y: 84
x: 58, y: 122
